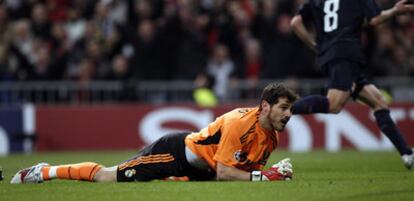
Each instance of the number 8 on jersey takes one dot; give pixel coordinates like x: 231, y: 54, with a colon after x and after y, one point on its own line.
x: 331, y: 8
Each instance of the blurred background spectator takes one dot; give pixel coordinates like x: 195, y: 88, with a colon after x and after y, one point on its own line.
x: 220, y: 68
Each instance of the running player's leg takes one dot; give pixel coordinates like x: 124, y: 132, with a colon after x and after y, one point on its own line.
x: 341, y: 76
x: 373, y: 97
x: 337, y: 99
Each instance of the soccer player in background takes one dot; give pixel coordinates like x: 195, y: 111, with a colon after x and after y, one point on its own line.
x: 338, y: 25
x: 236, y: 146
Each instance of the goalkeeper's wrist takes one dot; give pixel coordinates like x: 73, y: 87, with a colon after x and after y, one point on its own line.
x: 257, y: 176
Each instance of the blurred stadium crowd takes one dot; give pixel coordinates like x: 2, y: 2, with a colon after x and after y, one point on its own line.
x: 175, y: 40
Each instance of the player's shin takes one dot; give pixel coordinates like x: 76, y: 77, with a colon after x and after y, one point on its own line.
x: 81, y: 171
x: 387, y: 126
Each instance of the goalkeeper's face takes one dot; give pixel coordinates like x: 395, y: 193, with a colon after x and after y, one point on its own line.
x: 279, y: 114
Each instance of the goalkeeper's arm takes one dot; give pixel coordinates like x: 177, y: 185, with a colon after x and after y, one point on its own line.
x: 227, y: 173
x: 280, y: 171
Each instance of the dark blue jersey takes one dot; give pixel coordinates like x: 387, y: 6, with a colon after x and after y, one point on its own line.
x: 338, y: 25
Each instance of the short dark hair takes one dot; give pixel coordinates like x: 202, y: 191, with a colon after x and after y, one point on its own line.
x: 273, y: 91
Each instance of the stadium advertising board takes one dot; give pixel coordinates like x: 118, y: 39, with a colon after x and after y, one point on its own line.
x: 131, y: 127
x: 16, y: 128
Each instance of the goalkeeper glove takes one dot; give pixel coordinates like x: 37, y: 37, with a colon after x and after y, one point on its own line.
x: 279, y: 171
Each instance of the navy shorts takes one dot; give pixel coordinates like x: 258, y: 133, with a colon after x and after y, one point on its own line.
x: 163, y: 158
x: 343, y: 73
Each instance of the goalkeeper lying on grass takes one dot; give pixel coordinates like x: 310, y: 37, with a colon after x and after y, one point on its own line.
x: 236, y: 146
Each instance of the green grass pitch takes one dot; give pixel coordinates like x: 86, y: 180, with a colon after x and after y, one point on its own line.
x: 347, y: 175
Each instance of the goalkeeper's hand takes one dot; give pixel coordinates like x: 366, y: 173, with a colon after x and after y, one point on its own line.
x: 279, y: 171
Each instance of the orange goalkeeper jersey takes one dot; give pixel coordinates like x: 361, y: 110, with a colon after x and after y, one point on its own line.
x: 235, y: 139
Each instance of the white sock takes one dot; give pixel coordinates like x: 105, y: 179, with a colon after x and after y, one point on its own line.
x: 53, y: 172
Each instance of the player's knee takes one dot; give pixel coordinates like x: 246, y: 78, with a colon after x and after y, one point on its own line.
x: 105, y: 175
x: 335, y: 108
x: 337, y: 100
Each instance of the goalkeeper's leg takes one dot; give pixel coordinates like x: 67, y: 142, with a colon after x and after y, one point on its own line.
x: 87, y: 171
